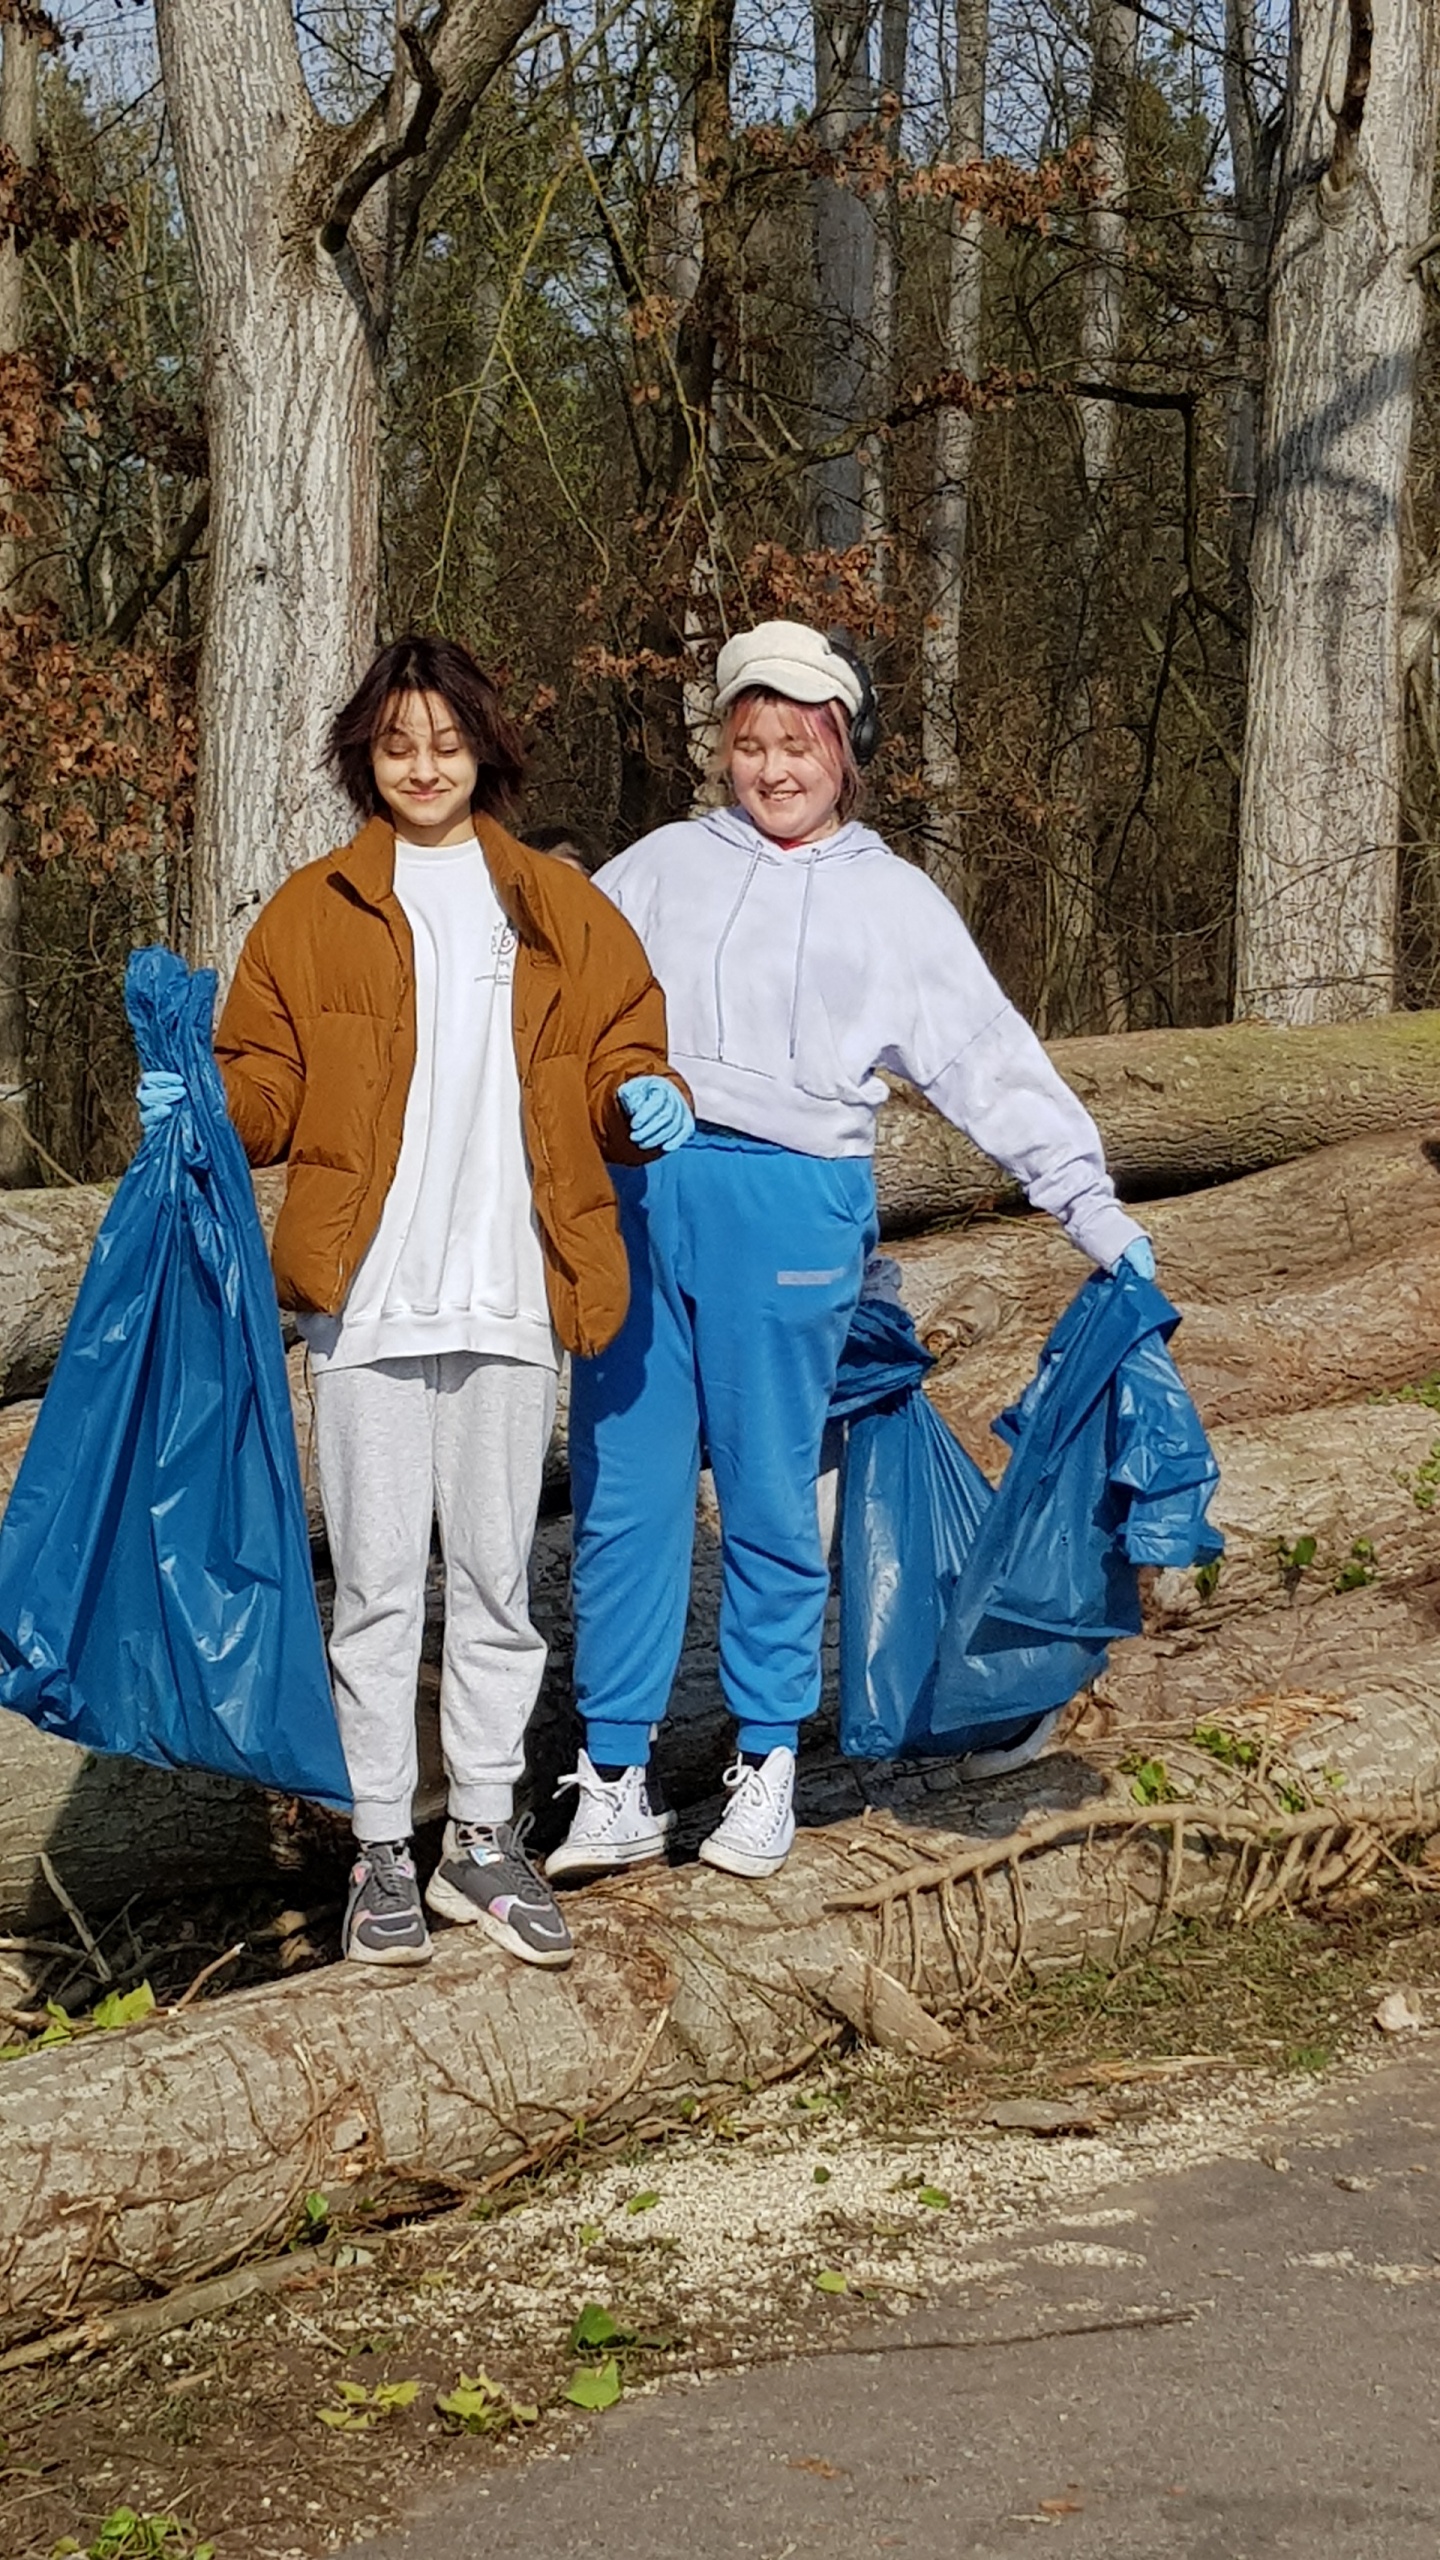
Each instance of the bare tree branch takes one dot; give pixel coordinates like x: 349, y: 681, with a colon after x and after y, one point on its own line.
x: 388, y: 156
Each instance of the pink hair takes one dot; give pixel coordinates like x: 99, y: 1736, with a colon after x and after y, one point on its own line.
x: 828, y: 724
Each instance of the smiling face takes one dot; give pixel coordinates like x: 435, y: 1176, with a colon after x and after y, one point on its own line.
x: 786, y: 773
x: 425, y: 769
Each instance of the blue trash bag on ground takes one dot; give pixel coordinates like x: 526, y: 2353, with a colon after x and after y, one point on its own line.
x: 967, y: 1611
x: 156, y: 1596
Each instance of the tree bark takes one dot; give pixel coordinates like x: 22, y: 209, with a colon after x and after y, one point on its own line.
x: 1082, y: 990
x: 19, y: 70
x: 1249, y: 164
x: 956, y: 432
x: 844, y: 250
x: 300, y: 230
x: 1320, y: 784
x: 686, y: 1986
x: 1181, y: 1109
x: 885, y: 291
x: 1178, y: 1111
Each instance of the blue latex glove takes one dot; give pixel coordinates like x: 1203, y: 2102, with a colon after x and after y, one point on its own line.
x: 659, y: 1114
x: 1138, y: 1257
x: 158, y: 1093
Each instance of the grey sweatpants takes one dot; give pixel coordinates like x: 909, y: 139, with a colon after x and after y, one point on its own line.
x: 459, y: 1437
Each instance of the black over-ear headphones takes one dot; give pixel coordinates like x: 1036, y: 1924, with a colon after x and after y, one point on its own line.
x: 864, y: 723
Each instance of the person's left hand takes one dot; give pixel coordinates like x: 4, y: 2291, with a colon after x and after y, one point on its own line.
x: 158, y: 1094
x: 1138, y: 1257
x: 659, y: 1115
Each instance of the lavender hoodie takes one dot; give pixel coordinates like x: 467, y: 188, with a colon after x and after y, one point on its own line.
x: 790, y: 978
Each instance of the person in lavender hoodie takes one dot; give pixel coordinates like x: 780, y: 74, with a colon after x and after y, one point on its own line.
x: 798, y: 956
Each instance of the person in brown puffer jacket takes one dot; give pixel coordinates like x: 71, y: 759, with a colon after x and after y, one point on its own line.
x: 444, y: 1035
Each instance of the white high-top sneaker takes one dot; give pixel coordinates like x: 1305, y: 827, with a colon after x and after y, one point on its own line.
x: 615, y: 1825
x: 759, y: 1826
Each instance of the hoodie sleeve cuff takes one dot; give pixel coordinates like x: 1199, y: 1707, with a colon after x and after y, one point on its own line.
x: 1103, y: 1230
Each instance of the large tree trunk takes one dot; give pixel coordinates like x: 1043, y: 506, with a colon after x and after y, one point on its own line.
x: 1320, y: 787
x: 19, y: 66
x: 300, y: 230
x: 686, y: 1985
x: 1250, y: 166
x: 844, y: 248
x: 1178, y: 1110
x: 291, y: 408
x: 956, y: 433
x: 886, y: 281
x: 1311, y: 1284
x: 1082, y: 990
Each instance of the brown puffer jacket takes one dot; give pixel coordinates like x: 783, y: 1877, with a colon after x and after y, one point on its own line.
x: 317, y: 1048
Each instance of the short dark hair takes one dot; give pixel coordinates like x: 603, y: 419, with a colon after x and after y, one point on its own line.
x: 576, y: 841
x: 422, y: 664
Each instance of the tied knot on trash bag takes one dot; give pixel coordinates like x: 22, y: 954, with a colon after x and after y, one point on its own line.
x: 156, y: 1596
x: 967, y: 1611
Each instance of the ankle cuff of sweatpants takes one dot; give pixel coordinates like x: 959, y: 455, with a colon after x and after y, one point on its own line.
x: 372, y: 1820
x: 487, y: 1800
x: 618, y: 1746
x: 765, y: 1738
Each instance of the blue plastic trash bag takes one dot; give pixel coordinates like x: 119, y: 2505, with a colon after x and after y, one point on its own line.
x: 156, y: 1596
x: 967, y: 1611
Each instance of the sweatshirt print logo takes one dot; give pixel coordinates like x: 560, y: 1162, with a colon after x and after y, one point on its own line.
x: 503, y: 943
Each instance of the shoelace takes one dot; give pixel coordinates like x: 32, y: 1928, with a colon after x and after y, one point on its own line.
x: 392, y: 1887
x: 510, y: 1850
x: 588, y: 1785
x: 755, y: 1793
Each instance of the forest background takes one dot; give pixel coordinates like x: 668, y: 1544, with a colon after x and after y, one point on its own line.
x: 1082, y: 366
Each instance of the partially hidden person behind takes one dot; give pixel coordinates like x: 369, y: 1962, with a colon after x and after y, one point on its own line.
x: 799, y: 956
x: 445, y: 1036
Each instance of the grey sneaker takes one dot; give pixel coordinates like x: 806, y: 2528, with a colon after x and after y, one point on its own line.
x: 485, y: 1875
x: 1019, y: 1754
x: 384, y: 1923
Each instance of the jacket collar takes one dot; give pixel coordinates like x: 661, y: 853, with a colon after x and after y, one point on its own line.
x: 368, y: 863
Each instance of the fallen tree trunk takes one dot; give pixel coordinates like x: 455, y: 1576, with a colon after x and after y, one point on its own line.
x: 153, y: 2156
x: 1294, y: 1298
x: 1181, y: 1109
x: 1310, y: 1284
x: 1178, y: 1110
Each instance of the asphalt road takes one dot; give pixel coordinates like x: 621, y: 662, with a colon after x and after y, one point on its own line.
x: 1240, y: 2362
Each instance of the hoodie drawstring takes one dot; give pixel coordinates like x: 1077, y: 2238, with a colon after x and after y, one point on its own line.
x: 729, y: 928
x: 810, y: 861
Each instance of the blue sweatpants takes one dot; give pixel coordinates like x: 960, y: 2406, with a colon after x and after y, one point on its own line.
x: 745, y: 1267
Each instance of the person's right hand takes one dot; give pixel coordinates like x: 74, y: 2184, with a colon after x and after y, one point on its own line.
x: 157, y: 1093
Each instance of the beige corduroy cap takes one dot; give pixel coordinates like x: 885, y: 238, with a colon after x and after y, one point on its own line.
x: 788, y: 658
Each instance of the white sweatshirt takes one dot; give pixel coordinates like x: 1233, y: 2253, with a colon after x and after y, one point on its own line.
x: 455, y: 1263
x: 790, y: 978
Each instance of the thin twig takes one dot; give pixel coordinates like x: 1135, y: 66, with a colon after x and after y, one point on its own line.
x: 216, y: 1965
x: 33, y: 1143
x: 73, y: 1913
x: 172, y: 2311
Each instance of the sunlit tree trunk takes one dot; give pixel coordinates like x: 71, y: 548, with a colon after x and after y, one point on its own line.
x: 1320, y: 786
x: 875, y: 493
x: 955, y: 437
x: 1249, y: 168
x: 19, y: 65
x: 300, y: 230
x: 1081, y: 980
x: 844, y: 246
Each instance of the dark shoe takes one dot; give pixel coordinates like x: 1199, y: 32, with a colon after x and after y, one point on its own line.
x: 384, y: 1923
x: 485, y: 1876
